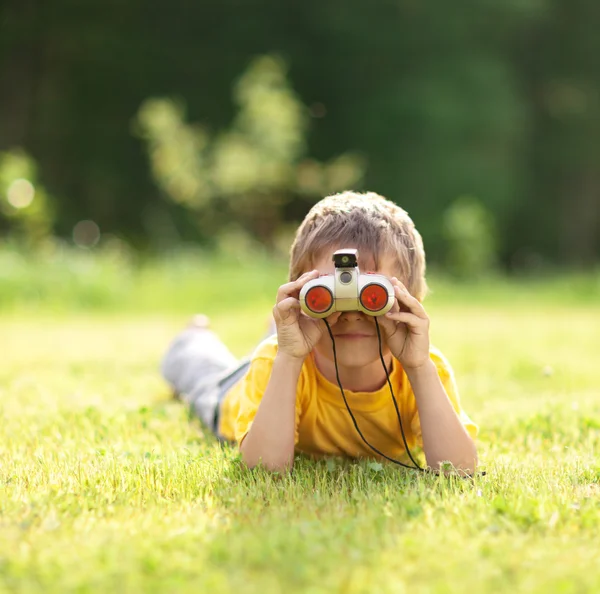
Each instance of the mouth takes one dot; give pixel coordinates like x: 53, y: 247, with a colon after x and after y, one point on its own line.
x: 353, y: 335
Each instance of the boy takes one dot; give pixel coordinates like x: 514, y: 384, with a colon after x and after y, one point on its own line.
x: 286, y: 398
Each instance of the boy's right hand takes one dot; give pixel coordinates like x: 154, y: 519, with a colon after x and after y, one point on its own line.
x: 297, y: 333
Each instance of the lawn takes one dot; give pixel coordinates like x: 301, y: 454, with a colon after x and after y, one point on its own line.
x: 107, y: 486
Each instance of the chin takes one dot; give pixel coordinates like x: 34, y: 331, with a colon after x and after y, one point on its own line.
x: 350, y: 354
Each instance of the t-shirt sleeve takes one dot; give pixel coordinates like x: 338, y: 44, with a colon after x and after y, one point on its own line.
x: 252, y: 390
x: 448, y: 380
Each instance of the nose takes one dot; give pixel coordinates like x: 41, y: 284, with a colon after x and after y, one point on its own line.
x: 352, y: 316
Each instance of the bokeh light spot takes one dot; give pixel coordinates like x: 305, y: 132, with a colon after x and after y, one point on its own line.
x: 20, y: 193
x: 318, y: 110
x: 86, y: 234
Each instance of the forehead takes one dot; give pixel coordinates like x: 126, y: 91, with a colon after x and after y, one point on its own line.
x: 384, y: 264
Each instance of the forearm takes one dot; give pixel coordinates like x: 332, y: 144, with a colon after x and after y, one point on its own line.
x: 270, y: 440
x: 444, y: 436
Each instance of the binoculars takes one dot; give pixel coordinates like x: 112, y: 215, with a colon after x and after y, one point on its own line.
x: 347, y: 289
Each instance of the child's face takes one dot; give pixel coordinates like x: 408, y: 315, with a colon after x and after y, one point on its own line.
x: 355, y: 333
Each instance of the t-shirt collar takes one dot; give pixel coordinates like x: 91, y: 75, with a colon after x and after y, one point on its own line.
x: 360, y: 401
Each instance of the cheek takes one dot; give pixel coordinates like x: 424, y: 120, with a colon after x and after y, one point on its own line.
x: 324, y: 348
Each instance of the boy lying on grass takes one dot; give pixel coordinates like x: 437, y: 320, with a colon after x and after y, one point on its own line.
x: 286, y: 398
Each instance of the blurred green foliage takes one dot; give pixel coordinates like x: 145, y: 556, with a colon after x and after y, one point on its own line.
x: 61, y: 280
x: 470, y: 233
x: 497, y: 100
x: 250, y: 172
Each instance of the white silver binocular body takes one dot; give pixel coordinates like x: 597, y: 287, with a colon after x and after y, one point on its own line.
x: 347, y: 289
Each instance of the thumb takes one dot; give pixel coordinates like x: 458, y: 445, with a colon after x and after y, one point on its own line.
x: 331, y: 319
x: 388, y: 327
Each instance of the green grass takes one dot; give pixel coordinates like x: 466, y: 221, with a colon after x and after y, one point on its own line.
x: 63, y: 280
x: 106, y: 486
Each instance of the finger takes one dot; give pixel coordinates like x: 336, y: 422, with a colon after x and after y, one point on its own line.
x: 288, y: 289
x: 286, y: 309
x: 390, y: 325
x: 292, y: 289
x: 395, y: 305
x: 413, y: 305
x: 333, y: 318
x: 411, y: 320
x: 398, y: 283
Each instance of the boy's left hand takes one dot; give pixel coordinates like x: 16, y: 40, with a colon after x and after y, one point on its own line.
x: 406, y: 328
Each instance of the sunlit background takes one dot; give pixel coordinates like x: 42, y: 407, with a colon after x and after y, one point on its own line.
x: 155, y: 160
x: 143, y: 129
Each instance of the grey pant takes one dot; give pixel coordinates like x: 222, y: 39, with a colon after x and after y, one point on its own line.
x: 201, y: 370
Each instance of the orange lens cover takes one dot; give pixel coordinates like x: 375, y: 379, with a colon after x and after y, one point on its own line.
x: 373, y: 297
x: 319, y: 299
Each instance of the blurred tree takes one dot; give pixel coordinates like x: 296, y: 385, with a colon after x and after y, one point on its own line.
x: 474, y: 97
x: 471, y: 239
x: 560, y: 70
x: 247, y: 174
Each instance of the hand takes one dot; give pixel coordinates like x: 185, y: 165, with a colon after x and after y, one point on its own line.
x: 406, y: 328
x: 297, y: 333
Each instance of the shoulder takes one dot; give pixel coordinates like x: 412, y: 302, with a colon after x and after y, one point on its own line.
x: 440, y: 361
x: 263, y: 357
x: 267, y: 349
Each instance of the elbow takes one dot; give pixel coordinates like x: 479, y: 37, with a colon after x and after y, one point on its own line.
x: 465, y: 465
x: 466, y: 468
x: 447, y: 468
x: 273, y: 466
x: 271, y: 462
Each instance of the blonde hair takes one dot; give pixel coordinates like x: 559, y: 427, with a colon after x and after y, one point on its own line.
x: 375, y: 226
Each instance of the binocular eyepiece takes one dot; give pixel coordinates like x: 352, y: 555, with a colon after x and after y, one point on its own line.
x: 347, y: 290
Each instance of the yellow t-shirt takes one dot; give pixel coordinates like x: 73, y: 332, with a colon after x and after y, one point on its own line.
x: 323, y: 425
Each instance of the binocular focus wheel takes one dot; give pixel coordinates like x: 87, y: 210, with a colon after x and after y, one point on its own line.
x: 374, y: 297
x: 319, y: 299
